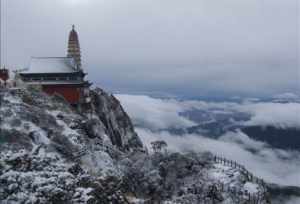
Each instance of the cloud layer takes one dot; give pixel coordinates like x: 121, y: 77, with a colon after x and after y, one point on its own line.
x: 154, y: 113
x: 274, y: 165
x: 165, y: 113
x: 276, y: 114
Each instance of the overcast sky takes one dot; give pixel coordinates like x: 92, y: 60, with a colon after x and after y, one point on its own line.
x: 192, y: 48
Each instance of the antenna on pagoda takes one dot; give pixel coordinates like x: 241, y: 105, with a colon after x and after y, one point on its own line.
x: 0, y: 34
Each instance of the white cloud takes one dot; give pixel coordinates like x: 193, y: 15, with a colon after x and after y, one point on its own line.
x: 274, y: 165
x: 163, y: 113
x: 154, y: 113
x: 288, y: 95
x: 276, y: 114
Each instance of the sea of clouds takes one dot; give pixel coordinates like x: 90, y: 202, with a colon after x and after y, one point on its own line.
x: 153, y: 116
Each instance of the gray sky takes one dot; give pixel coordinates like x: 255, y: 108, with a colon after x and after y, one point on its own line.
x: 192, y: 48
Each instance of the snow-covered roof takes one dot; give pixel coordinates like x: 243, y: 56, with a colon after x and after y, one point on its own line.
x: 41, y: 65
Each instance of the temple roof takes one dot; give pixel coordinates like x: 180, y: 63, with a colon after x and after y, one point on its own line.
x: 47, y: 65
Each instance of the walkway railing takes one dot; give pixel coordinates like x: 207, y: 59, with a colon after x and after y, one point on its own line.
x: 249, y: 176
x: 252, y: 198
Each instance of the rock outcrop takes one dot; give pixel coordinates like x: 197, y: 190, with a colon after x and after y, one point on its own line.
x: 117, y: 123
x: 53, y: 153
x: 47, y: 146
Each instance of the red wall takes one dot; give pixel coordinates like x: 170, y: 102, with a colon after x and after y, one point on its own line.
x: 71, y: 94
x: 4, y: 75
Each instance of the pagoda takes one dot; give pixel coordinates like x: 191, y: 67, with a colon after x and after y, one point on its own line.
x: 60, y: 75
x: 74, y: 47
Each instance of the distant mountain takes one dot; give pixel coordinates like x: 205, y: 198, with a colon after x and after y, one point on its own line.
x: 215, y: 122
x: 280, y: 194
x: 287, y: 138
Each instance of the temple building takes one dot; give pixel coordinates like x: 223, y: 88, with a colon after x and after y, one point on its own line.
x: 60, y: 75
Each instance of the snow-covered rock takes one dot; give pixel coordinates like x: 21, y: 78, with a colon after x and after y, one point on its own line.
x: 189, y: 178
x: 117, y: 123
x: 43, y: 139
x: 53, y: 153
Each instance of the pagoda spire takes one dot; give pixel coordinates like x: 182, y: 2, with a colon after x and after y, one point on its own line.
x: 74, y: 47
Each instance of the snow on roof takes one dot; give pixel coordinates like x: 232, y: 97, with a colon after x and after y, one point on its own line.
x: 48, y: 65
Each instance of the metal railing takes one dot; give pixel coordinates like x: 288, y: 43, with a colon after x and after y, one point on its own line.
x: 252, y: 198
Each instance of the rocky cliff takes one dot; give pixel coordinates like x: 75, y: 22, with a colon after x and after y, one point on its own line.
x: 117, y: 123
x: 53, y: 153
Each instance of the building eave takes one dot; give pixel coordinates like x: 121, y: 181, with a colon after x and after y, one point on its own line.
x: 49, y: 73
x: 55, y: 83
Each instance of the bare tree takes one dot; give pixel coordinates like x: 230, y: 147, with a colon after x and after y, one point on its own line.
x: 159, y: 146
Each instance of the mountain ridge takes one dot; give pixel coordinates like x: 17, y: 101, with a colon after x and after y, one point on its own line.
x: 52, y: 153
